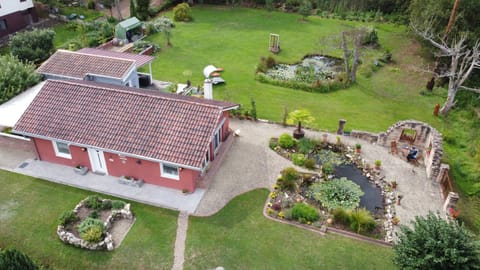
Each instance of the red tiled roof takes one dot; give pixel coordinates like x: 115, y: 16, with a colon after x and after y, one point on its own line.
x: 76, y: 65
x: 160, y: 126
x: 139, y: 59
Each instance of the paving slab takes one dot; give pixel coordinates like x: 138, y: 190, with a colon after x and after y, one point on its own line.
x: 251, y: 164
x: 147, y: 193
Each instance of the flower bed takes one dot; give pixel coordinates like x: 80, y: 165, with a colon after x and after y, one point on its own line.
x: 321, y: 199
x: 316, y: 73
x: 89, y: 224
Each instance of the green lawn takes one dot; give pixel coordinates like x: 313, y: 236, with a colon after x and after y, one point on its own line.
x: 240, y: 237
x: 236, y: 38
x: 29, y: 209
x: 63, y: 35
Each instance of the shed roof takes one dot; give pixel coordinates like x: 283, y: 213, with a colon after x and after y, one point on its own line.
x: 130, y: 23
x: 159, y: 126
x: 77, y: 65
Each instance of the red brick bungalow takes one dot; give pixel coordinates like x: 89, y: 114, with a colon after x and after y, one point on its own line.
x: 164, y: 139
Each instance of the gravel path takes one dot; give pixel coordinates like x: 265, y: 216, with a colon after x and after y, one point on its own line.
x: 250, y: 164
x: 179, y: 252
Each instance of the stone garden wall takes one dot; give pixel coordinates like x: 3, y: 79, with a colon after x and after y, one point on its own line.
x: 427, y: 139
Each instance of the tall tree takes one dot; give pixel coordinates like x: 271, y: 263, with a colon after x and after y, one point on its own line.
x: 119, y: 11
x: 108, y: 4
x: 434, y: 243
x: 431, y: 83
x: 463, y: 61
x: 356, y: 39
x: 133, y: 10
x: 142, y: 9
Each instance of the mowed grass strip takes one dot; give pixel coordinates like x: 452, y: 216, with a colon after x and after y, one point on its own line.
x: 240, y: 237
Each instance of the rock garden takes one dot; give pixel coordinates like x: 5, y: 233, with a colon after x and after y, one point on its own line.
x: 340, y: 190
x: 96, y: 223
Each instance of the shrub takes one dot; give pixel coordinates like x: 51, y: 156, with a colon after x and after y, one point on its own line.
x: 68, y: 217
x: 310, y: 164
x: 33, y: 46
x: 305, y: 145
x: 140, y: 45
x: 289, y: 178
x: 290, y: 173
x: 286, y: 141
x: 88, y: 223
x: 327, y: 168
x: 303, y: 212
x: 117, y: 204
x: 94, y: 202
x: 326, y: 86
x: 287, y: 213
x: 272, y: 143
x: 12, y: 259
x: 94, y: 214
x: 182, y: 13
x: 341, y: 216
x: 277, y: 206
x: 338, y: 193
x: 106, y: 205
x: 93, y: 234
x: 15, y: 77
x: 370, y: 36
x: 387, y: 56
x: 298, y: 159
x: 91, y: 4
x: 361, y: 220
x: 419, y: 245
x: 305, y: 8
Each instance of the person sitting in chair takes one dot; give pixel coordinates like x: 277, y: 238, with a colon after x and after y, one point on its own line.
x: 412, y: 155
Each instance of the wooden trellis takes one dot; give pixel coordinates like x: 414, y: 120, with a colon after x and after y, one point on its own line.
x: 274, y: 45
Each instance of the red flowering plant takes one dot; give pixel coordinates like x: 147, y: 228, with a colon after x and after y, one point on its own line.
x: 454, y: 213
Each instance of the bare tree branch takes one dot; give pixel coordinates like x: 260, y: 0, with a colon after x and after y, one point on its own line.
x: 463, y: 61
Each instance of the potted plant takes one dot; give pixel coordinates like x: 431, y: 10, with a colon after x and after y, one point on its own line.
x: 81, y: 170
x: 378, y: 164
x: 358, y: 148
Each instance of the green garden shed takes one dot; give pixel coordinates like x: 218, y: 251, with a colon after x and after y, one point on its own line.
x: 129, y: 30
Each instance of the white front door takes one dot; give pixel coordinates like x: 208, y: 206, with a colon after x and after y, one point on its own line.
x: 97, y: 159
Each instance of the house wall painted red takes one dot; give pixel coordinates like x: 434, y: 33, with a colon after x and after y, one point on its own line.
x: 149, y: 171
x: 118, y: 165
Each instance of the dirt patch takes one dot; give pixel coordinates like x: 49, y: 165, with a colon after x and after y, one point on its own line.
x: 120, y: 229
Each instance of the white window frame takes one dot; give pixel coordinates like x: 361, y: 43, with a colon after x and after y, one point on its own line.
x: 60, y: 154
x: 169, y: 175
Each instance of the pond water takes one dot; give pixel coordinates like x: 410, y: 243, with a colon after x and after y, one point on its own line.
x: 309, y: 70
x: 372, y: 200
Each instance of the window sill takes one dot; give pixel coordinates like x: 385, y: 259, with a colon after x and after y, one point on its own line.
x: 170, y: 176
